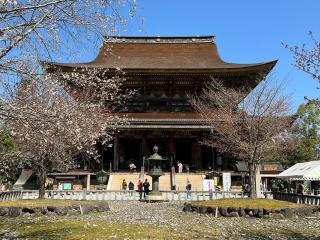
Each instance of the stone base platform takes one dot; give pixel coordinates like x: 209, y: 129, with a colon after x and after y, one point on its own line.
x: 81, y: 208
x: 277, y: 213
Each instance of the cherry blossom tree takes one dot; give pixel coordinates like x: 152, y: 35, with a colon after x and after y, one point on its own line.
x: 52, y: 116
x: 244, y: 126
x: 307, y: 58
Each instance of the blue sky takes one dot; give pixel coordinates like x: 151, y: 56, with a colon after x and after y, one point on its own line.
x: 246, y: 31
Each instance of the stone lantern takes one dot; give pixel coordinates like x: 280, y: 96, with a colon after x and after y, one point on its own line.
x: 155, y: 171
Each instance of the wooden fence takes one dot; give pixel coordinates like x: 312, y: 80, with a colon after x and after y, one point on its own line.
x: 298, y: 198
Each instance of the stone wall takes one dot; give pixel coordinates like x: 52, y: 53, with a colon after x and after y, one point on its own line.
x: 81, y: 208
x: 253, y: 212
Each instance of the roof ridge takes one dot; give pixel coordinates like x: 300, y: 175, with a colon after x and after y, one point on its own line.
x: 160, y: 39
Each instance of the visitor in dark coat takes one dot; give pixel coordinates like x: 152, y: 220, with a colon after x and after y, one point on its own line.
x: 146, y: 186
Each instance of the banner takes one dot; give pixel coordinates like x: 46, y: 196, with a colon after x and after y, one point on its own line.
x: 207, y: 184
x: 226, y: 181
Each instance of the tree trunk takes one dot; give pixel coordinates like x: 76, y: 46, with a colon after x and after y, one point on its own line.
x: 42, y: 182
x: 252, y: 180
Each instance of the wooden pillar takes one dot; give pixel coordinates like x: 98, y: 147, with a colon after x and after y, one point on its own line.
x: 213, y: 165
x: 88, y: 182
x: 172, y: 147
x: 143, y: 146
x: 116, y: 153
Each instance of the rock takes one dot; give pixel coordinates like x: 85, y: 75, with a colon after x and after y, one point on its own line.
x: 197, y: 209
x: 194, y: 208
x: 13, y: 212
x: 259, y: 213
x: 40, y: 210
x: 287, y: 212
x: 266, y: 211
x: 73, y: 212
x: 232, y: 209
x: 3, y: 211
x: 255, y: 212
x: 50, y: 213
x: 203, y: 209
x: 248, y: 210
x: 233, y: 214
x: 304, y: 211
x: 61, y: 211
x: 187, y: 207
x: 25, y: 214
x: 250, y: 213
x: 103, y: 206
x: 223, y: 211
x: 27, y: 210
x: 241, y: 212
x: 51, y: 208
x: 210, y: 210
x: 85, y: 208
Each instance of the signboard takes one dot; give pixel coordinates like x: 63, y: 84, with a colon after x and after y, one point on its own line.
x: 270, y: 167
x: 66, y: 186
x: 226, y: 181
x: 207, y: 184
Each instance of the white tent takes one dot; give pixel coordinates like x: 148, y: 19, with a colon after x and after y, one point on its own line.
x: 303, y: 171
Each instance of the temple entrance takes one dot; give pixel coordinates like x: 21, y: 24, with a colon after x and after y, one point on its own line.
x: 183, y: 152
x: 207, y: 154
x: 131, y: 153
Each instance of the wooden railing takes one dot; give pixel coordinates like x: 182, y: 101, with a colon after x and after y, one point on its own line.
x: 298, y: 198
x: 10, y: 195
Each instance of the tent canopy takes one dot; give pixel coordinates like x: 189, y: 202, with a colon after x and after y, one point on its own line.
x: 303, y: 171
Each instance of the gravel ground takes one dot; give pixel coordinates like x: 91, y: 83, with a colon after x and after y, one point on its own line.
x: 189, y: 225
x: 193, y: 225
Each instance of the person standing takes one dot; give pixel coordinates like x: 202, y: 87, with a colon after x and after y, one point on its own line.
x: 124, y: 185
x: 146, y: 186
x: 132, y: 167
x: 131, y: 188
x: 188, y: 188
x: 180, y: 167
x: 140, y: 185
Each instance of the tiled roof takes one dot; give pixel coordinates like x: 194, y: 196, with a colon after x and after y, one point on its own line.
x: 156, y: 53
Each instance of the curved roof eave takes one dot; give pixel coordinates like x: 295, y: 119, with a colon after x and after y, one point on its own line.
x: 226, y: 67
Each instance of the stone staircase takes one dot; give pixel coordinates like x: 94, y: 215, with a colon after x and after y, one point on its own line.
x: 115, y: 181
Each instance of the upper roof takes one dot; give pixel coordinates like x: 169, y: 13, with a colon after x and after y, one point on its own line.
x: 158, y: 53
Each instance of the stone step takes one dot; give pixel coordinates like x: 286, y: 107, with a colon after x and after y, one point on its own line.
x: 115, y: 181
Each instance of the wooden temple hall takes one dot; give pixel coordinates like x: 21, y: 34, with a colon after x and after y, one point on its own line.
x: 163, y: 71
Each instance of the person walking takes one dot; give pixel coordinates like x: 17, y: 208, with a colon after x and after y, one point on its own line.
x: 146, y: 186
x: 140, y: 185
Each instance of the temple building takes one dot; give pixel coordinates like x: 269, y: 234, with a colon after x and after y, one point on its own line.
x: 164, y: 71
